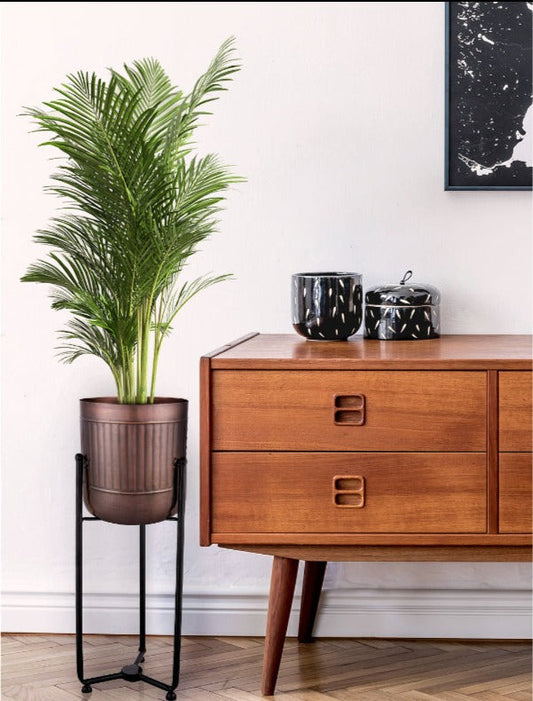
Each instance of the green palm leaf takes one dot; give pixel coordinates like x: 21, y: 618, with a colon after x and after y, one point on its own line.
x: 136, y: 205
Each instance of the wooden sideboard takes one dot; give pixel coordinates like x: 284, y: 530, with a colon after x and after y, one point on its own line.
x: 364, y: 450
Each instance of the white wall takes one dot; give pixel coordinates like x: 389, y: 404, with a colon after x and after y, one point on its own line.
x: 337, y: 123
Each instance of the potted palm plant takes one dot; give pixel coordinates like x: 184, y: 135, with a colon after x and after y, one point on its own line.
x: 137, y: 204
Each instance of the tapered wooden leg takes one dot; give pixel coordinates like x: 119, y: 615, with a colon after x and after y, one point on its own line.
x: 312, y: 586
x: 284, y: 571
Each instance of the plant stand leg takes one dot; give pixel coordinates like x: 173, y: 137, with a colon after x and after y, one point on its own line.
x: 79, y: 572
x: 135, y: 669
x: 142, y: 594
x: 86, y: 689
x: 178, y: 597
x: 180, y: 477
x: 132, y: 672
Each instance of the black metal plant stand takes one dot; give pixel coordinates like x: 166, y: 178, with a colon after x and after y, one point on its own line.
x: 132, y: 672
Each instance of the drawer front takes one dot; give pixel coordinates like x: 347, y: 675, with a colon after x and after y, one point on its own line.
x: 348, y: 410
x: 515, y: 493
x: 348, y: 493
x: 515, y: 391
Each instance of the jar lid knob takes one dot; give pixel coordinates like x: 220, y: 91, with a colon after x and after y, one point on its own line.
x: 408, y: 275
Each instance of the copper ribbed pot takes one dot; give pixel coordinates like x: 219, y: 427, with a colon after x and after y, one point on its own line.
x: 131, y: 452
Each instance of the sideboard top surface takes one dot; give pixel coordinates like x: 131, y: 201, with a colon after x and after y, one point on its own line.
x: 289, y: 351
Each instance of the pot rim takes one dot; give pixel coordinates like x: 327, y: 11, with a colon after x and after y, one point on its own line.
x: 114, y: 401
x: 108, y: 409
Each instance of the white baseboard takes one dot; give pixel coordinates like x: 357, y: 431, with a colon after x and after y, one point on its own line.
x: 394, y: 613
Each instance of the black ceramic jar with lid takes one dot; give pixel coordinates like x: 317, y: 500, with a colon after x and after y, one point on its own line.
x: 404, y: 312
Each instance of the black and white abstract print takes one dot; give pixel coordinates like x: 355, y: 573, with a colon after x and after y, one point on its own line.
x: 490, y: 112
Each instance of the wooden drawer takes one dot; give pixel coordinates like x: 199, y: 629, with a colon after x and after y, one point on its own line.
x: 348, y: 493
x: 515, y: 391
x: 515, y: 493
x: 348, y: 410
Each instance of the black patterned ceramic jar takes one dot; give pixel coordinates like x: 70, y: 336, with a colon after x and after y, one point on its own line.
x: 327, y: 306
x: 404, y: 312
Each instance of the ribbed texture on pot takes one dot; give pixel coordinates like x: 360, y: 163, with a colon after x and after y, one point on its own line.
x: 131, y: 452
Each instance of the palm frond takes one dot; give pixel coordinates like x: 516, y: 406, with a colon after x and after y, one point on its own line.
x: 136, y: 205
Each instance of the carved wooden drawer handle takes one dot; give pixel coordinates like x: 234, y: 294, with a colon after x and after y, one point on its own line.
x: 349, y: 491
x: 349, y: 409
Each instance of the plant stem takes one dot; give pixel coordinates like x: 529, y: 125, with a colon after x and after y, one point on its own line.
x: 143, y: 352
x: 146, y: 353
x: 139, y: 353
x: 123, y: 390
x: 155, y: 361
x: 126, y: 388
x: 118, y: 382
x: 131, y: 380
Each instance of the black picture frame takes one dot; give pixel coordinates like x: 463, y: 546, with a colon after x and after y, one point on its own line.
x: 481, y: 111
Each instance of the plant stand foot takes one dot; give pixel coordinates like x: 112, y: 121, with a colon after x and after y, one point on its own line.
x: 171, y: 696
x: 132, y: 672
x: 86, y: 689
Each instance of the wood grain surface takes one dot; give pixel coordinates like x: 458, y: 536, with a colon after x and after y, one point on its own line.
x: 205, y: 451
x: 348, y: 540
x: 492, y: 451
x: 396, y: 553
x: 366, y: 450
x: 515, y: 493
x: 42, y: 668
x: 293, y: 493
x: 290, y: 351
x: 282, y: 581
x: 515, y: 393
x: 295, y: 410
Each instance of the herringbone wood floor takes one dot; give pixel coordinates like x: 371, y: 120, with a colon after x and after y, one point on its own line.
x: 42, y: 668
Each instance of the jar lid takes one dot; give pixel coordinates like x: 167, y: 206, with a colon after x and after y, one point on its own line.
x: 404, y: 294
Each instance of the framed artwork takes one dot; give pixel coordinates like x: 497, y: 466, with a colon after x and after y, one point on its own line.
x: 489, y: 105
